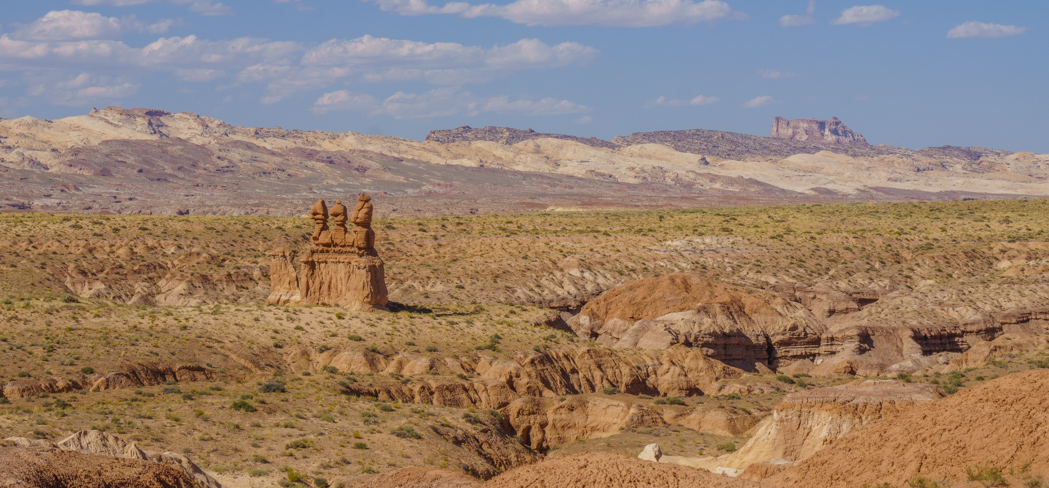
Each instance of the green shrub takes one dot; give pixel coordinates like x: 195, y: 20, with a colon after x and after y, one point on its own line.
x: 294, y: 476
x: 299, y: 444
x: 355, y: 338
x: 670, y: 401
x: 360, y: 445
x: 986, y: 475
x: 922, y: 482
x: 273, y: 386
x: 406, y: 432
x: 256, y: 473
x: 243, y: 406
x: 610, y: 391
x: 726, y: 447
x: 87, y: 370
x: 785, y: 379
x: 320, y: 482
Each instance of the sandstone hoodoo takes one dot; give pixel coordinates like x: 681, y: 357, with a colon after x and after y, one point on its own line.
x: 342, y: 268
x: 831, y: 131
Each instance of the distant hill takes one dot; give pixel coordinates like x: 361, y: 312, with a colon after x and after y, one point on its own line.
x: 152, y: 161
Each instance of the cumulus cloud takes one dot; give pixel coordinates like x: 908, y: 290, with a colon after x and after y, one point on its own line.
x: 797, y: 20
x: 694, y: 102
x: 82, y: 89
x: 441, y: 102
x: 377, y: 60
x: 66, y: 25
x: 986, y: 31
x: 865, y: 15
x: 761, y: 101
x: 202, y: 7
x: 771, y: 74
x: 608, y: 13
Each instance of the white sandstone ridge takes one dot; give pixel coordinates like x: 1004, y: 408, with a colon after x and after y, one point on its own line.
x: 808, y: 421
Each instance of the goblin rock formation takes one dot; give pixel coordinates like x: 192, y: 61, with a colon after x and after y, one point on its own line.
x: 831, y: 131
x: 342, y: 268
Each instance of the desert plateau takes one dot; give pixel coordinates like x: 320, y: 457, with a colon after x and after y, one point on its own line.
x: 524, y: 244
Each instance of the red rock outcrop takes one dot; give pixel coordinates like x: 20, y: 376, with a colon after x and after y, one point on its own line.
x: 48, y: 467
x: 725, y: 322
x: 831, y: 131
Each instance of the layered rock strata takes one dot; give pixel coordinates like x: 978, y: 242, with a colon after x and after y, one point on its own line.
x: 725, y: 322
x: 831, y: 131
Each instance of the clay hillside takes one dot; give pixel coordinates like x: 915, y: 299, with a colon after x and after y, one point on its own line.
x: 118, y: 160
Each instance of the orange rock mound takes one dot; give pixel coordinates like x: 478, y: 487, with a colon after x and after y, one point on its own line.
x: 48, y: 467
x: 594, y: 469
x: 1002, y: 423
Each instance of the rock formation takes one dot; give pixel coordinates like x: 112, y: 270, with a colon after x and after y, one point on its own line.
x: 831, y: 131
x: 810, y: 420
x: 83, y: 457
x: 343, y: 268
x: 1000, y: 423
x: 725, y: 322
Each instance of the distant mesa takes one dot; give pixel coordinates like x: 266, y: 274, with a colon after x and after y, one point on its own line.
x: 831, y: 131
x: 343, y: 268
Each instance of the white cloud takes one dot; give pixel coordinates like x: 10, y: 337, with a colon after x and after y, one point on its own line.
x: 82, y: 89
x: 798, y: 20
x: 608, y: 13
x: 343, y: 100
x: 298, y: 4
x: 586, y: 119
x: 202, y: 7
x: 442, y: 102
x: 67, y: 25
x: 770, y: 74
x: 112, y: 3
x: 865, y: 15
x: 696, y: 101
x: 986, y: 31
x: 377, y: 60
x: 759, y: 101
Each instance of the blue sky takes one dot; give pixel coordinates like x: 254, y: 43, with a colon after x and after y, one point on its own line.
x: 910, y: 74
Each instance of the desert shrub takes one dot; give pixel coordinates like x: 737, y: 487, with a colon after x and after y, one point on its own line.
x: 355, y: 338
x: 471, y: 418
x: 68, y: 298
x: 298, y: 444
x: 330, y: 369
x: 904, y: 377
x: 385, y: 407
x: 785, y: 379
x: 256, y: 473
x: 922, y: 482
x: 730, y: 396
x: 987, y: 476
x: 950, y: 389
x: 670, y: 401
x: 294, y: 476
x: 369, y: 418
x: 243, y: 406
x: 320, y: 482
x: 726, y: 447
x: 360, y: 445
x: 610, y: 391
x: 431, y: 348
x: 273, y: 386
x: 171, y: 390
x: 87, y: 370
x: 406, y: 432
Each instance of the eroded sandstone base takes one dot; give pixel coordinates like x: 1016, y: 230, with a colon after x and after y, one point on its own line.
x: 329, y: 276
